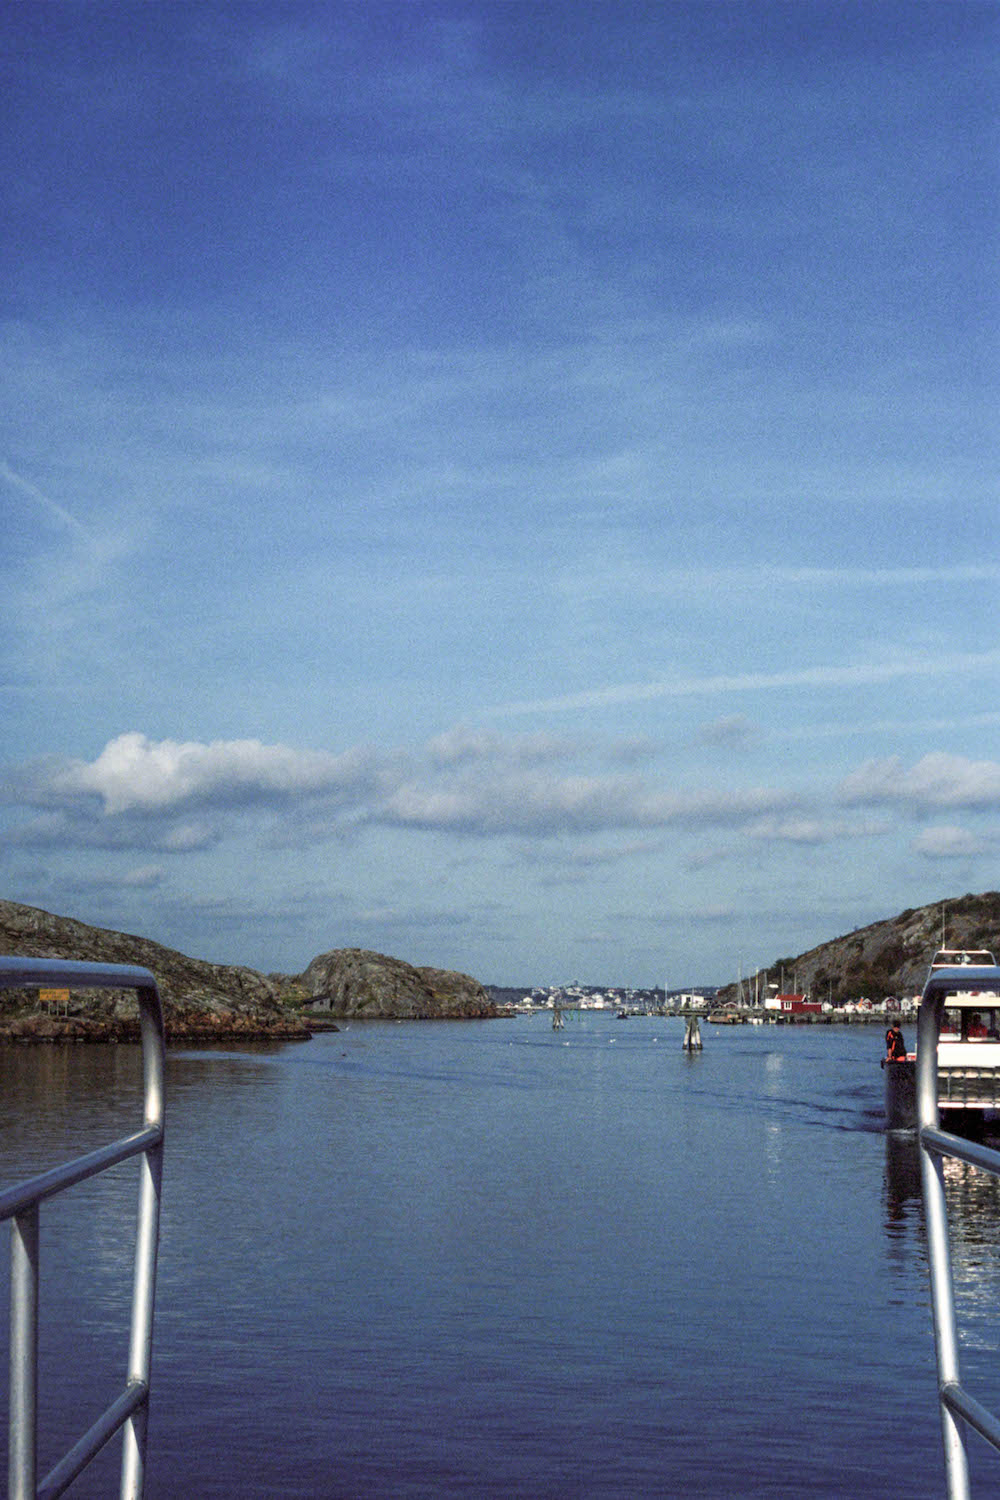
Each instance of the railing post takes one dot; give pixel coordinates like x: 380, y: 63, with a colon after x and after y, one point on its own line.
x: 140, y: 1354
x: 943, y: 1316
x: 141, y: 1337
x: 939, y: 1245
x: 20, y: 1205
x: 22, y: 1461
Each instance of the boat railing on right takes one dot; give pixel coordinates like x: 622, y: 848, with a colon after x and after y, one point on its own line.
x: 959, y: 1408
x: 21, y: 1206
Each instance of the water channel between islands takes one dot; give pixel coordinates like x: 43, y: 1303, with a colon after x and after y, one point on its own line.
x: 487, y: 1259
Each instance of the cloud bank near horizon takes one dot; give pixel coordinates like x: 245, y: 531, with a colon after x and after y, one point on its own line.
x: 476, y: 784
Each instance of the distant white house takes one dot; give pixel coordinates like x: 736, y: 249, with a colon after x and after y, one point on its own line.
x: 594, y: 1001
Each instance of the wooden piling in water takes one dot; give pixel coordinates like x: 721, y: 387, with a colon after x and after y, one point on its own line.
x: 692, y: 1034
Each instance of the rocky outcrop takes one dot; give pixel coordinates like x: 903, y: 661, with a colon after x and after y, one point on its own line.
x: 201, y: 1001
x: 206, y: 1002
x: 890, y: 957
x: 353, y: 982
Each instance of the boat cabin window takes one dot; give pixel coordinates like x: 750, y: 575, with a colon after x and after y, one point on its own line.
x: 967, y: 1024
x: 953, y: 958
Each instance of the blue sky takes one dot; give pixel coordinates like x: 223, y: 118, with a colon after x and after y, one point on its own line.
x: 508, y: 485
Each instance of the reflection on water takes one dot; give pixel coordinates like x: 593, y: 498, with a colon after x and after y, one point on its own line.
x: 902, y: 1189
x: 60, y: 1101
x: 973, y: 1199
x: 772, y: 1143
x: 902, y: 1165
x: 974, y: 1217
x: 902, y: 1200
x: 483, y: 1262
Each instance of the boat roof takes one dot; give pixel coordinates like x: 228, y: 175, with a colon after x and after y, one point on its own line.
x: 971, y: 982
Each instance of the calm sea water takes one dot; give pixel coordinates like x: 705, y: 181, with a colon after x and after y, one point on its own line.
x: 488, y: 1259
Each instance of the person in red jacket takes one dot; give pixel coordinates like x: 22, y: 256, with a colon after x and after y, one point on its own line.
x: 895, y: 1046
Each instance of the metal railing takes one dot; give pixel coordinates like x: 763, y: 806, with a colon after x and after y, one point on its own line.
x: 21, y: 1205
x: 958, y: 1408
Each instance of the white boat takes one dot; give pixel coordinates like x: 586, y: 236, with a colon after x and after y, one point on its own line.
x: 967, y: 984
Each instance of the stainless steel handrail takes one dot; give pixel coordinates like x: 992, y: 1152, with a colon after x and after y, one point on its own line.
x: 958, y: 1407
x: 21, y: 1205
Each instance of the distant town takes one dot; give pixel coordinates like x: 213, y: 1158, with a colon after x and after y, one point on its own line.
x: 578, y: 996
x: 623, y: 1001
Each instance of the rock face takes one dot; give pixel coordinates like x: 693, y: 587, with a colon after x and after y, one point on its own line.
x: 204, y: 1002
x: 201, y: 1001
x: 890, y: 957
x: 353, y: 982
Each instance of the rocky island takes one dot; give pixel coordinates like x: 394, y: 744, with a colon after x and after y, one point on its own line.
x: 216, y: 1002
x: 353, y: 982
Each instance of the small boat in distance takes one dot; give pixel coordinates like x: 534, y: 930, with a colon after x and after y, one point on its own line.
x: 968, y: 1052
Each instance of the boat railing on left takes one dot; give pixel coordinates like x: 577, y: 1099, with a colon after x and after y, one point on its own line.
x: 959, y: 1408
x: 21, y: 1206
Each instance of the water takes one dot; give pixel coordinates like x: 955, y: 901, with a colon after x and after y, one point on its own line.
x: 493, y: 1260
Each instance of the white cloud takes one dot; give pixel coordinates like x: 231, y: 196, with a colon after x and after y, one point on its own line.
x: 51, y: 509
x: 175, y: 797
x: 133, y: 773
x: 84, y: 828
x: 797, y: 830
x: 140, y: 792
x: 857, y: 675
x: 947, y: 841
x: 532, y: 803
x: 462, y: 745
x: 558, y: 862
x: 181, y: 838
x: 733, y: 730
x: 936, y: 780
x: 143, y: 876
x: 590, y: 856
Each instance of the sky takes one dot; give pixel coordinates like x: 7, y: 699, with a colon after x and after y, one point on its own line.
x: 507, y: 485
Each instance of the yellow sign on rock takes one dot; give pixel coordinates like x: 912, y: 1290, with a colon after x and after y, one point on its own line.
x: 53, y: 997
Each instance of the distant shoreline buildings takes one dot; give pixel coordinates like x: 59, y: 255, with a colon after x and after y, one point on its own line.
x: 618, y: 998
x: 626, y: 1000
